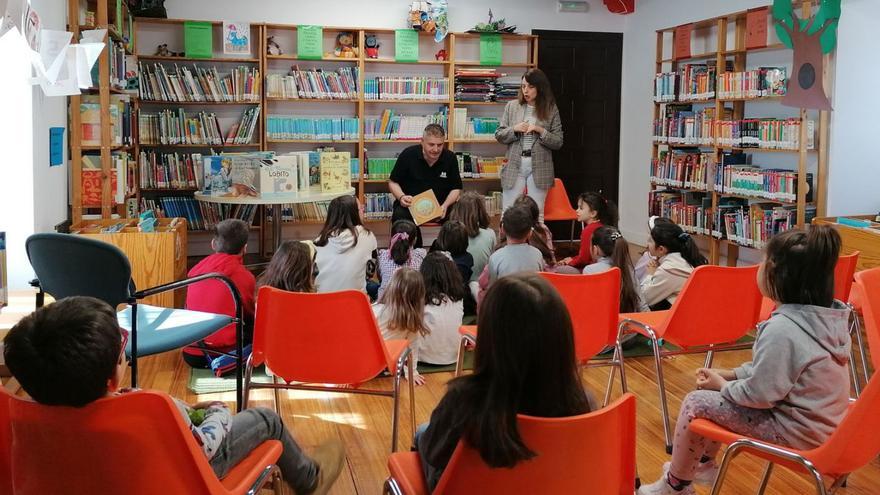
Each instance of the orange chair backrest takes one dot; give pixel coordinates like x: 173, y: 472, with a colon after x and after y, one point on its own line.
x: 869, y: 292
x: 590, y: 453
x: 5, y: 443
x: 718, y: 304
x: 136, y: 443
x: 843, y: 275
x: 593, y: 301
x: 856, y: 441
x: 556, y: 205
x: 318, y: 338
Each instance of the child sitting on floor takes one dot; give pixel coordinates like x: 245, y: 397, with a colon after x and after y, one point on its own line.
x: 400, y: 312
x: 610, y: 249
x: 402, y: 251
x: 444, y: 309
x: 516, y: 255
x: 212, y: 296
x: 795, y: 391
x: 593, y: 211
x: 453, y: 239
x: 72, y: 353
x: 344, y: 247
x: 470, y: 210
x: 541, y: 238
x: 290, y: 268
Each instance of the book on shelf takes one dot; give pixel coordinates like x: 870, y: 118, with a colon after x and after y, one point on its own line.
x: 122, y: 166
x: 681, y: 125
x: 199, y: 215
x: 764, y: 133
x: 178, y: 127
x: 683, y: 168
x: 754, y: 181
x: 390, y: 125
x: 160, y: 82
x: 416, y: 88
x: 314, y: 84
x: 753, y: 225
x: 122, y: 66
x: 757, y: 83
x: 474, y: 127
x: 289, y: 127
x: 691, y: 82
x: 335, y: 172
x: 379, y: 168
x: 378, y: 206
x: 121, y: 115
x: 170, y: 170
x: 692, y: 211
x: 476, y: 84
x: 471, y: 166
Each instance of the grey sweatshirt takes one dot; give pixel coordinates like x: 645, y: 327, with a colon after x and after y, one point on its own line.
x: 799, y: 372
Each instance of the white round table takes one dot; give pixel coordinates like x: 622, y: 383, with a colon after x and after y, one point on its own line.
x: 275, y: 200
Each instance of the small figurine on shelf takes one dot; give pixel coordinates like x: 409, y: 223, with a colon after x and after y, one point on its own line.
x: 428, y: 24
x: 415, y: 14
x: 163, y: 51
x: 441, y: 55
x: 345, y: 46
x: 371, y: 46
x: 272, y: 48
x: 493, y: 26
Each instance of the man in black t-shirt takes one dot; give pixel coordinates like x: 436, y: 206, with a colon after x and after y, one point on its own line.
x: 428, y: 165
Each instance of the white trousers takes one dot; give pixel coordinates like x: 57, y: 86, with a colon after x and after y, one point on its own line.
x: 525, y: 178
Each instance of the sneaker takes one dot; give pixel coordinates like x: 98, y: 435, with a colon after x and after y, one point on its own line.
x: 662, y: 487
x: 704, y: 475
x: 330, y: 457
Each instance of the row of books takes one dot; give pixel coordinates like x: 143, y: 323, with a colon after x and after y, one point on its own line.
x: 476, y: 167
x: 288, y: 127
x: 122, y: 66
x: 390, y: 125
x: 170, y: 170
x: 121, y: 117
x: 379, y: 168
x: 199, y: 215
x: 691, y: 82
x: 753, y: 225
x: 751, y: 180
x: 314, y: 84
x: 758, y: 83
x: 477, y: 84
x: 378, y: 206
x: 682, y: 169
x: 182, y: 83
x: 406, y: 88
x: 684, y: 126
x: 690, y: 211
x: 171, y: 127
x: 766, y: 133
x: 474, y: 127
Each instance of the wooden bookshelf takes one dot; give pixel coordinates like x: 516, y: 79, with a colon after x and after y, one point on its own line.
x: 727, y: 28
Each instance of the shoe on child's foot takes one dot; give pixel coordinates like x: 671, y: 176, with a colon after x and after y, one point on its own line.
x: 330, y: 457
x: 704, y: 475
x: 662, y: 487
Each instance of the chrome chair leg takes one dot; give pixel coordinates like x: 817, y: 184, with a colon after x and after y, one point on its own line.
x: 661, y: 385
x: 765, y: 478
x: 395, y: 412
x: 459, y: 363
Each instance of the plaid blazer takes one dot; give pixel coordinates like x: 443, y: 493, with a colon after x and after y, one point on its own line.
x: 542, y: 156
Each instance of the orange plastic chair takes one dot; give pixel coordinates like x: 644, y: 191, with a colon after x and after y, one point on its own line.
x: 854, y: 443
x: 868, y: 282
x: 717, y: 306
x: 557, y: 207
x: 136, y: 443
x: 309, y: 342
x: 568, y: 459
x: 468, y: 339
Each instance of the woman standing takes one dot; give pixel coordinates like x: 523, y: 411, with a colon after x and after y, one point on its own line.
x: 531, y: 129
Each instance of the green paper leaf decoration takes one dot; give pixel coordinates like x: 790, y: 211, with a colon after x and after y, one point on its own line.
x: 783, y: 35
x: 828, y: 39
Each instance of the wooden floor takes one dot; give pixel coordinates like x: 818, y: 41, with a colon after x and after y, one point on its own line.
x: 363, y: 422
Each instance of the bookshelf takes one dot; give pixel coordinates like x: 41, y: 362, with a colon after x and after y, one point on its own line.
x: 519, y: 53
x: 787, y: 144
x: 113, y: 16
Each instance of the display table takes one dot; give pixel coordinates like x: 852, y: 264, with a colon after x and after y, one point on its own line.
x: 274, y: 200
x: 866, y: 240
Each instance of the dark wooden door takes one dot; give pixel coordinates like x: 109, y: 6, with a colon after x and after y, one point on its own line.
x: 585, y: 71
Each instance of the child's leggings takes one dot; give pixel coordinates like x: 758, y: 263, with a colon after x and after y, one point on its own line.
x: 689, y: 448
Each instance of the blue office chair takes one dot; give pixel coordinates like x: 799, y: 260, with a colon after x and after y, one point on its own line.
x: 70, y: 265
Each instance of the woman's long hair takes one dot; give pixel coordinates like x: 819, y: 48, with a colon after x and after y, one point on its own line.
x: 545, y: 101
x: 524, y: 363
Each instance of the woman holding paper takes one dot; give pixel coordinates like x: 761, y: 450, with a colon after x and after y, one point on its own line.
x: 531, y: 129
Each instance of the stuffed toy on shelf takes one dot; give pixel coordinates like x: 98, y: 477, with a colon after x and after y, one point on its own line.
x: 345, y: 47
x: 371, y: 46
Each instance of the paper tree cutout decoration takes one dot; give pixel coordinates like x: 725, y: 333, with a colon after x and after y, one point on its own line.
x: 810, y: 39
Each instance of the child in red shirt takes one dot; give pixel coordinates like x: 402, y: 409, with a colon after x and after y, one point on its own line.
x: 593, y: 211
x: 212, y: 296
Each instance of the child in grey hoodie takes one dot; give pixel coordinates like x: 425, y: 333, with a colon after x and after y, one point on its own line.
x: 795, y: 391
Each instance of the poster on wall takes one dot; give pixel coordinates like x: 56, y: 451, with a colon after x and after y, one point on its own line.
x: 236, y: 38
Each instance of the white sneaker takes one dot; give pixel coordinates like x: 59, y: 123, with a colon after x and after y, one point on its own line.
x: 661, y: 487
x: 704, y: 475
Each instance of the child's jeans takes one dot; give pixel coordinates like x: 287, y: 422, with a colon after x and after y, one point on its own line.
x: 252, y: 427
x: 689, y: 448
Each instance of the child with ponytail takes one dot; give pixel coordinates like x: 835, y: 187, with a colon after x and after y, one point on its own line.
x: 610, y: 249
x: 593, y: 211
x: 795, y: 391
x: 675, y: 255
x: 402, y: 251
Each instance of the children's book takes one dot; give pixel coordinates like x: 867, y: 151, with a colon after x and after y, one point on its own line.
x: 425, y: 207
x: 335, y: 172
